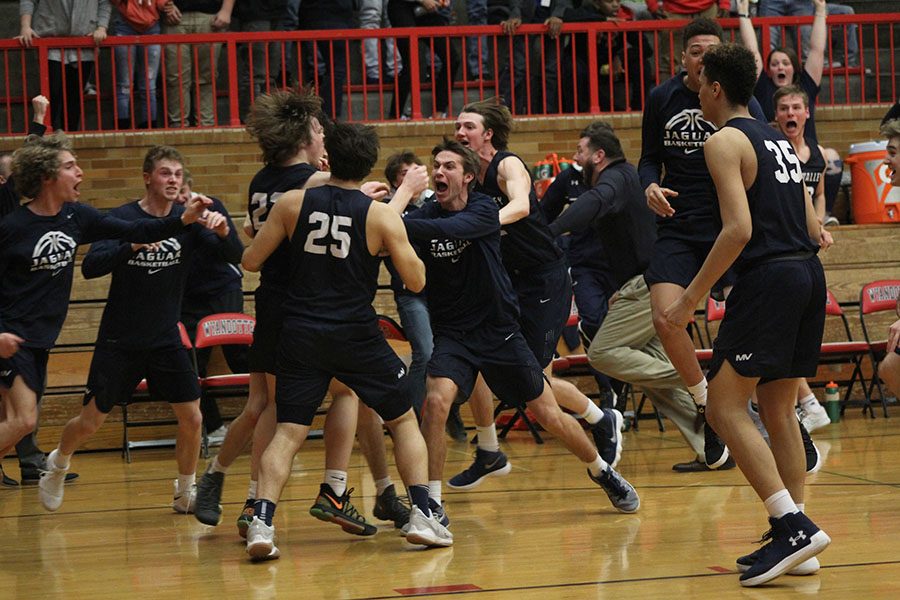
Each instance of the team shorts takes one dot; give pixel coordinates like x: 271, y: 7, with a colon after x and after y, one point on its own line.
x: 503, y: 357
x: 28, y: 363
x: 774, y: 320
x: 545, y: 300
x: 269, y: 318
x: 116, y: 372
x: 358, y: 356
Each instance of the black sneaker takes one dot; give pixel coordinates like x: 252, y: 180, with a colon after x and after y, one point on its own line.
x: 340, y: 511
x: 33, y: 477
x: 714, y: 449
x: 6, y: 480
x: 620, y: 492
x: 607, y: 437
x: 208, y: 509
x: 390, y: 507
x: 794, y: 539
x: 807, y: 567
x: 486, y: 464
x: 813, y: 458
x: 455, y: 427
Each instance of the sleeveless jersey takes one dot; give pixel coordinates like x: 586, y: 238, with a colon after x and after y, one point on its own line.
x: 527, y: 243
x: 776, y: 200
x: 333, y: 277
x: 265, y: 188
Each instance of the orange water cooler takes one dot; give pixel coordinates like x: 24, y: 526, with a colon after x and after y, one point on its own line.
x: 874, y: 200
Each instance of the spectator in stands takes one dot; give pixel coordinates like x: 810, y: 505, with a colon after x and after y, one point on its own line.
x: 514, y: 93
x: 213, y: 286
x: 259, y: 61
x: 136, y: 18
x: 57, y: 18
x: 682, y: 9
x: 838, y: 44
x: 427, y: 13
x: 373, y: 14
x: 889, y: 368
x: 190, y: 68
x: 290, y: 20
x: 632, y: 48
x: 325, y: 63
x: 785, y: 8
x: 477, y: 62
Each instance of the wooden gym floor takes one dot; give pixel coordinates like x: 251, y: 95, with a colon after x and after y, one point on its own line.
x: 545, y: 531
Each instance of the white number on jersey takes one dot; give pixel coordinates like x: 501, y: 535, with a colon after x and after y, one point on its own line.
x: 260, y: 203
x: 789, y: 168
x: 322, y: 223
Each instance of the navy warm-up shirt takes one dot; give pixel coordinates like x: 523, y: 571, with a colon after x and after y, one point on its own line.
x: 583, y: 247
x: 468, y: 286
x: 37, y: 259
x: 144, y: 303
x: 333, y: 276
x: 527, y: 243
x: 269, y: 184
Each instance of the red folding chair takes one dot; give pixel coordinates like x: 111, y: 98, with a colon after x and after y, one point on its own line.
x: 875, y: 297
x: 844, y: 352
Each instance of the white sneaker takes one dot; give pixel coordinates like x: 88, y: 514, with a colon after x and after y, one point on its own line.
x: 215, y: 438
x: 427, y: 531
x: 185, y: 501
x: 261, y: 541
x: 814, y: 419
x: 51, y: 485
x: 807, y: 567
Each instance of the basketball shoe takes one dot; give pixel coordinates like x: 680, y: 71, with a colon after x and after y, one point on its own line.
x: 486, y: 464
x: 340, y: 511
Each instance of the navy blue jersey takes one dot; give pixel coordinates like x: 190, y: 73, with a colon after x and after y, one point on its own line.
x: 208, y: 274
x: 813, y: 168
x: 764, y: 93
x: 333, y: 277
x: 776, y: 199
x: 527, y: 243
x: 144, y: 303
x: 673, y: 134
x: 269, y: 184
x: 582, y: 247
x: 468, y: 286
x: 37, y: 259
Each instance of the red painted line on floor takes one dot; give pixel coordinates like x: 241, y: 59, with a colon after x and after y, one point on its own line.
x: 438, y: 589
x: 718, y: 569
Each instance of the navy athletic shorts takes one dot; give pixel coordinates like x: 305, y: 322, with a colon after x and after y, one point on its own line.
x: 545, y: 300
x: 774, y: 320
x: 504, y: 358
x: 269, y: 318
x: 357, y: 355
x: 28, y: 363
x: 116, y: 372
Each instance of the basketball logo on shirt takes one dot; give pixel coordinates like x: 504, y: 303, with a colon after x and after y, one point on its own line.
x: 167, y: 254
x: 53, y: 251
x: 688, y: 130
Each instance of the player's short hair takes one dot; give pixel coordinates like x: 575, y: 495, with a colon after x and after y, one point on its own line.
x: 37, y: 160
x: 396, y: 162
x: 470, y: 162
x: 496, y: 117
x: 158, y: 153
x: 281, y: 123
x: 601, y: 136
x: 700, y: 26
x: 352, y: 150
x: 734, y: 67
x: 891, y: 129
x: 790, y: 90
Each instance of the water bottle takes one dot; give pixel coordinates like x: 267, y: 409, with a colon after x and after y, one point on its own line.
x: 832, y: 402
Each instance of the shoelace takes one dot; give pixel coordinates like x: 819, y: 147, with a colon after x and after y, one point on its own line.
x: 766, y: 536
x: 616, y: 485
x: 349, y: 509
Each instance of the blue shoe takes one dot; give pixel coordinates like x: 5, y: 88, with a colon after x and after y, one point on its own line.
x: 813, y: 458
x: 621, y: 493
x: 794, y: 539
x: 486, y: 464
x: 607, y: 436
x: 439, y: 513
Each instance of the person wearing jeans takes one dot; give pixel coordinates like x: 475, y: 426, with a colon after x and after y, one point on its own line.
x: 373, y: 14
x: 136, y: 64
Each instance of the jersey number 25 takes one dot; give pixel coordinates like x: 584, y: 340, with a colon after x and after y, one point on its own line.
x: 322, y: 223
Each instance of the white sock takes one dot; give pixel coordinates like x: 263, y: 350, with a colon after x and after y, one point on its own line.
x: 251, y: 490
x: 337, y: 480
x: 698, y: 392
x: 434, y: 490
x: 597, y: 466
x: 487, y: 438
x: 780, y: 503
x: 186, y: 481
x: 215, y: 466
x: 59, y: 460
x: 810, y: 403
x: 382, y: 484
x: 592, y: 414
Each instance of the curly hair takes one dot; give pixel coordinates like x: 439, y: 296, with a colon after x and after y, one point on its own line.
x: 281, y: 123
x: 37, y: 160
x: 496, y: 117
x: 700, y: 26
x: 734, y: 67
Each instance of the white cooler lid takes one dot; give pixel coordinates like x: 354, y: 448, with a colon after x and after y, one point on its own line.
x: 872, y: 146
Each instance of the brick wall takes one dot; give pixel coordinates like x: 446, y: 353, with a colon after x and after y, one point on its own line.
x: 224, y: 160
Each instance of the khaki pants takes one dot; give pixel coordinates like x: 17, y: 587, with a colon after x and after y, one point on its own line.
x: 183, y: 80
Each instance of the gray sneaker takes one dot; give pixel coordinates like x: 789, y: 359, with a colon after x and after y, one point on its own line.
x: 261, y: 541
x: 427, y: 531
x: 51, y: 485
x: 622, y: 495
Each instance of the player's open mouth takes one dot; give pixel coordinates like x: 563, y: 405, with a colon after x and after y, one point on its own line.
x: 464, y: 141
x: 441, y: 186
x: 791, y: 125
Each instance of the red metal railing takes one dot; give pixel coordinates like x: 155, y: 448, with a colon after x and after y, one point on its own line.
x: 591, y: 68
